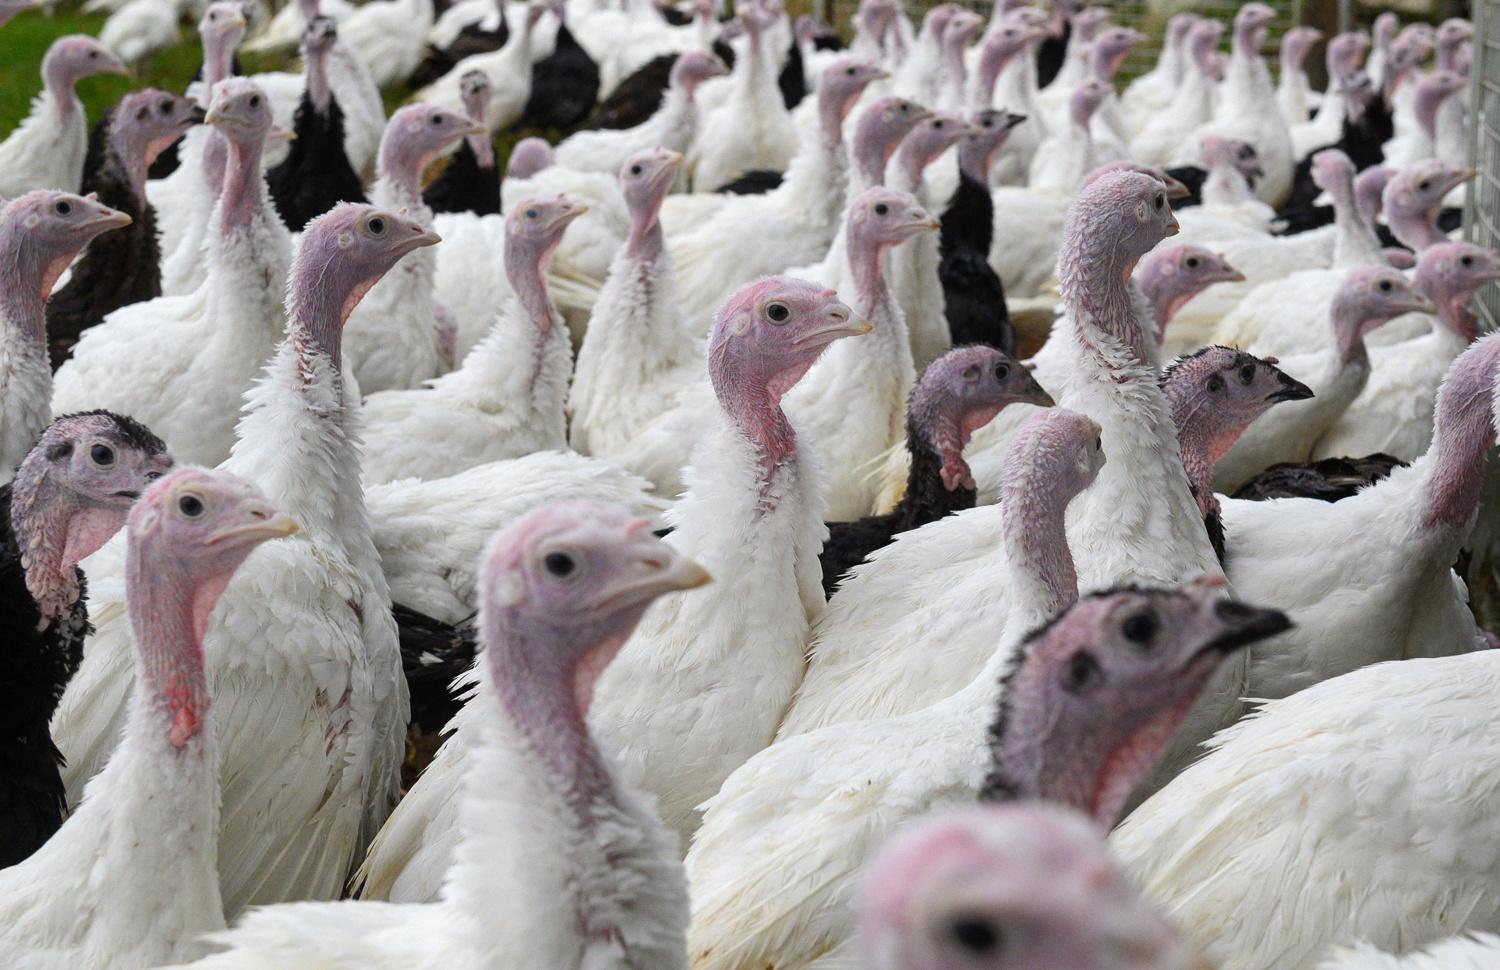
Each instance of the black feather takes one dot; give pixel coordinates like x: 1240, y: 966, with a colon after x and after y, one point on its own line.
x: 564, y: 86
x: 465, y: 187
x: 974, y: 299
x: 316, y: 175
x: 433, y: 654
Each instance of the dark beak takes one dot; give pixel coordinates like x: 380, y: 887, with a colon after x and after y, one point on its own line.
x: 1291, y: 389
x: 197, y: 114
x: 1244, y: 625
x: 1011, y: 120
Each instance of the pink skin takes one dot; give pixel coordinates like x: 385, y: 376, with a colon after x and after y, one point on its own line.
x: 1367, y: 298
x: 187, y: 535
x: 414, y: 137
x: 839, y: 89
x: 1202, y: 40
x: 1432, y: 91
x: 344, y: 252
x: 1086, y: 23
x: 1295, y: 46
x: 531, y: 155
x: 765, y: 338
x: 1412, y: 200
x: 1358, y: 91
x: 1008, y: 887
x: 1098, y: 693
x: 1345, y: 51
x: 645, y: 179
x: 222, y: 28
x: 241, y: 113
x: 1452, y: 35
x: 1175, y: 189
x: 935, y: 23
x: 880, y: 219
x: 1178, y: 27
x: 71, y: 59
x: 1086, y: 99
x: 40, y: 234
x: 1061, y: 12
x: 879, y: 132
x: 1463, y: 431
x: 1250, y: 28
x: 692, y: 69
x: 561, y: 590
x: 961, y: 392
x: 1384, y: 29
x: 475, y: 89
x: 977, y: 151
x: 533, y: 231
x: 1449, y: 274
x: 1009, y: 37
x: 72, y: 493
x: 927, y: 142
x: 956, y: 38
x: 1369, y: 186
x: 1112, y: 223
x: 1172, y: 276
x: 1407, y: 51
x: 1227, y: 153
x: 9, y: 9
x: 1214, y: 395
x: 145, y: 123
x: 1110, y: 49
x: 317, y: 40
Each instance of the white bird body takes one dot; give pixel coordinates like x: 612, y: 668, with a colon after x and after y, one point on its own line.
x: 752, y: 129
x: 1479, y: 951
x: 25, y: 394
x: 389, y: 37
x: 46, y: 150
x: 285, y: 29
x: 392, y: 337
x: 140, y: 29
x: 509, y: 71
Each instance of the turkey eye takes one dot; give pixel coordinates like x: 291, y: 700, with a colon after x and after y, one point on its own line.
x: 881, y: 209
x: 141, y: 114
x: 437, y: 120
x: 1385, y: 286
x: 559, y: 564
x: 635, y: 170
x: 255, y: 101
x: 1002, y: 371
x: 93, y: 55
x: 849, y: 71
x: 1424, y: 185
x: 1466, y: 261
x: 377, y: 226
x: 1215, y: 384
x: 937, y: 124
x: 531, y: 213
x: 1247, y: 374
x: 212, y: 16
x: 102, y: 455
x: 165, y: 107
x: 1098, y: 442
x: 63, y: 208
x: 778, y: 313
x: 975, y: 934
x: 1082, y: 673
x: 191, y: 506
x: 1159, y: 201
x: 1192, y: 262
x: 1140, y: 629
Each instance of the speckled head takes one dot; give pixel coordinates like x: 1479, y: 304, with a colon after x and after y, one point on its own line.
x: 1449, y: 274
x: 961, y: 392
x: 1118, y: 217
x: 1008, y: 887
x: 977, y: 150
x: 154, y: 119
x: 240, y: 109
x: 1171, y: 276
x: 1175, y: 189
x: 1096, y: 695
x: 563, y: 587
x: 76, y: 56
x: 40, y: 233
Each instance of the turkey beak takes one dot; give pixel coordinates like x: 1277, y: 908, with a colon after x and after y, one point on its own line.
x: 574, y: 210
x: 474, y: 128
x: 1172, y: 227
x: 841, y: 322
x: 266, y: 524
x: 1291, y: 389
x: 1240, y: 625
x: 196, y: 115
x: 111, y: 219
x: 1012, y: 120
x: 671, y: 164
x: 659, y: 569
x: 279, y: 134
x: 1231, y: 275
x: 421, y: 236
x: 1176, y: 189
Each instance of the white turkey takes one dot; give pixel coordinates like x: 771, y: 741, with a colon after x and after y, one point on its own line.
x: 46, y: 150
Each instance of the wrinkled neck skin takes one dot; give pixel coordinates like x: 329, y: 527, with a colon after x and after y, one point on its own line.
x: 401, y: 174
x: 132, y: 154
x: 872, y: 295
x: 645, y: 242
x: 1036, y: 544
x: 316, y: 314
x: 317, y: 80
x: 26, y: 280
x: 1415, y: 230
x: 1093, y: 275
x: 974, y: 161
x: 1202, y: 440
x: 1464, y: 432
x: 57, y: 82
x: 525, y: 267
x: 911, y: 162
x: 1349, y: 335
x: 831, y: 114
x: 753, y: 406
x: 1452, y: 302
x: 871, y: 154
x: 241, y: 197
x: 1106, y: 64
x: 55, y: 530
x: 169, y: 617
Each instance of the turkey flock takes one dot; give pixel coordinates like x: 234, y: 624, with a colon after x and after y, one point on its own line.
x: 917, y: 503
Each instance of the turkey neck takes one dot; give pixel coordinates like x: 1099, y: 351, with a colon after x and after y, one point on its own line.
x: 243, y: 192
x: 54, y: 529
x: 317, y: 77
x: 927, y: 499
x: 992, y: 60
x: 525, y: 266
x: 400, y: 182
x: 1463, y: 432
x: 1415, y: 229
x: 644, y: 246
x: 1092, y: 272
x: 57, y: 82
x: 1202, y: 439
x: 953, y: 57
x: 1354, y: 242
x: 1426, y: 106
x: 26, y: 280
x: 1349, y: 329
x: 752, y: 402
x: 1034, y: 533
x: 873, y: 147
x: 480, y: 144
x: 127, y: 154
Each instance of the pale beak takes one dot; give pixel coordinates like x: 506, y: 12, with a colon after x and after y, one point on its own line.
x: 475, y: 129
x: 1172, y: 227
x: 678, y: 573
x: 277, y: 526
x: 417, y: 240
x: 852, y: 325
x: 115, y: 220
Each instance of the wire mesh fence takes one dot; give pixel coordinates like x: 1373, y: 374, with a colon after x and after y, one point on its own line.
x: 1481, y: 222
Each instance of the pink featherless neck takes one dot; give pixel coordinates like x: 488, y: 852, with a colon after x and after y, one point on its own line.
x: 56, y: 529
x: 1438, y: 278
x: 1094, y: 265
x: 526, y: 260
x: 877, y: 136
x: 316, y: 57
x: 243, y: 189
x: 27, y: 275
x: 1464, y: 430
x: 1034, y: 505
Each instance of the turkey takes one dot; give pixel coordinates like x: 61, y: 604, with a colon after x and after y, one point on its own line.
x: 69, y: 497
x: 677, y: 714
x: 40, y: 233
x: 46, y: 150
x: 388, y: 36
x: 638, y: 350
x: 121, y: 268
x: 564, y: 84
x: 1366, y: 299
x: 588, y: 875
x: 470, y: 181
x: 673, y: 126
x: 506, y: 400
x: 958, y: 393
x: 316, y: 174
x: 302, y: 656
x: 1293, y: 96
x: 1170, y: 276
x: 186, y: 538
x: 183, y: 363
x: 509, y: 71
x: 1153, y: 91
x: 1246, y: 106
x: 1009, y: 888
x: 392, y: 336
